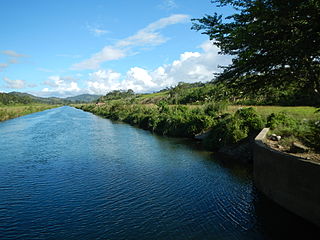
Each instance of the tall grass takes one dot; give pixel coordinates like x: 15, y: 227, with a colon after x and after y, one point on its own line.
x: 8, y: 112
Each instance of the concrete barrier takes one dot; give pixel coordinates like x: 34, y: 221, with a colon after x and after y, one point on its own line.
x: 290, y: 181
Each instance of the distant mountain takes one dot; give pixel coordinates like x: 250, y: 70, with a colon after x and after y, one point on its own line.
x: 21, y: 97
x: 9, y: 99
x: 83, y: 98
x: 50, y: 100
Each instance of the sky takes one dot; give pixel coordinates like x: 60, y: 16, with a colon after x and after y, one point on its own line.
x: 64, y: 48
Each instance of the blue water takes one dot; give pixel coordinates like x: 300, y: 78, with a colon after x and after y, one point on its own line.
x: 67, y: 174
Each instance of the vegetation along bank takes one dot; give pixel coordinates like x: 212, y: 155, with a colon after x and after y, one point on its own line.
x: 221, y: 126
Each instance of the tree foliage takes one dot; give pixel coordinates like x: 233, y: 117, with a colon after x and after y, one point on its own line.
x: 117, y: 94
x: 10, y: 99
x: 275, y: 44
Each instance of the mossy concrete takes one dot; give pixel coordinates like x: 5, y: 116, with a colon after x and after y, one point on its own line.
x: 290, y: 181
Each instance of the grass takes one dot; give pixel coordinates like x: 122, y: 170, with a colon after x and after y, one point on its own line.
x: 299, y: 113
x: 151, y: 95
x: 13, y: 111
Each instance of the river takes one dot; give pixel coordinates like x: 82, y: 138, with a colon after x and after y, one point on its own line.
x: 68, y: 174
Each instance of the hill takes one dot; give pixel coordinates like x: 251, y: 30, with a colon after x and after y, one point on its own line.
x: 83, y: 98
x: 25, y: 98
x: 50, y: 100
x: 10, y: 99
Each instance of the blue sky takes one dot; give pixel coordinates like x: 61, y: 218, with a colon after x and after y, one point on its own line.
x: 69, y: 47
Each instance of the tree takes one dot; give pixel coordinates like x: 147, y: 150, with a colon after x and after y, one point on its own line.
x: 275, y: 44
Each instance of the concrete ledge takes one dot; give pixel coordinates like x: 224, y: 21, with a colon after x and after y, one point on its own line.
x: 291, y: 181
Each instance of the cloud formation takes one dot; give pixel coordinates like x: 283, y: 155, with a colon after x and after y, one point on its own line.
x: 16, y: 84
x: 96, y: 30
x: 14, y: 58
x: 12, y: 53
x: 148, y: 36
x: 168, y: 4
x: 3, y: 66
x: 190, y: 67
x: 60, y: 86
x: 198, y: 66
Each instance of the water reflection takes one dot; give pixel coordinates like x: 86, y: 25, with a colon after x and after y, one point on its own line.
x: 67, y: 174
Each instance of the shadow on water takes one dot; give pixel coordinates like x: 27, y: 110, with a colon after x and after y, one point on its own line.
x: 278, y: 223
x: 274, y: 221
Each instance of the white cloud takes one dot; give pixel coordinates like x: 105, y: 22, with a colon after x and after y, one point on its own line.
x: 96, y: 30
x: 99, y: 32
x: 103, y: 81
x: 60, y: 86
x: 138, y: 79
x: 16, y: 84
x: 108, y: 53
x: 190, y: 67
x: 3, y: 66
x: 148, y: 36
x: 168, y: 4
x: 14, y: 58
x: 12, y: 53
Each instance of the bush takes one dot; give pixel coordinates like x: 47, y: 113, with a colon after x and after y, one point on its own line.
x: 215, y: 108
x: 281, y: 120
x: 250, y: 119
x: 313, y: 138
x: 232, y: 129
x: 316, y: 135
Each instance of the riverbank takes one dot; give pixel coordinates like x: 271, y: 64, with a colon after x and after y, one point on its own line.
x: 228, y: 129
x: 13, y: 111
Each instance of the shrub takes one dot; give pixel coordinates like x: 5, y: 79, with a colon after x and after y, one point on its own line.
x: 316, y: 135
x: 281, y: 120
x: 215, y: 108
x: 250, y: 120
x: 232, y: 129
x: 313, y: 138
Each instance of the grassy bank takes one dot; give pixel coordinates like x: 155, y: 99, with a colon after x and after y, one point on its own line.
x: 298, y: 112
x: 13, y: 111
x: 225, y: 125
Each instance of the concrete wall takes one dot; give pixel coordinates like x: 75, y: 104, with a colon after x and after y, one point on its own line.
x: 292, y: 182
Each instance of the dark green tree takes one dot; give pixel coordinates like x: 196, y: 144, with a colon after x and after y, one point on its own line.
x: 275, y: 44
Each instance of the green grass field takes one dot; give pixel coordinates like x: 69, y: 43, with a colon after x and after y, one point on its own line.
x: 8, y: 112
x: 151, y: 95
x: 299, y: 113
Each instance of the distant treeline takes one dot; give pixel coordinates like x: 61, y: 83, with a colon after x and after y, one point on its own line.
x: 9, y: 99
x: 14, y: 98
x: 200, y: 93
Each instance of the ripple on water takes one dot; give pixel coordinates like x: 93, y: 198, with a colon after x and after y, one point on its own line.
x: 67, y: 174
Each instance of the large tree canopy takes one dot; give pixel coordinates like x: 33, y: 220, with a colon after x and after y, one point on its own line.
x: 275, y: 43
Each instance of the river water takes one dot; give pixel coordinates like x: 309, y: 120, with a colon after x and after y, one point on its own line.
x: 67, y: 174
